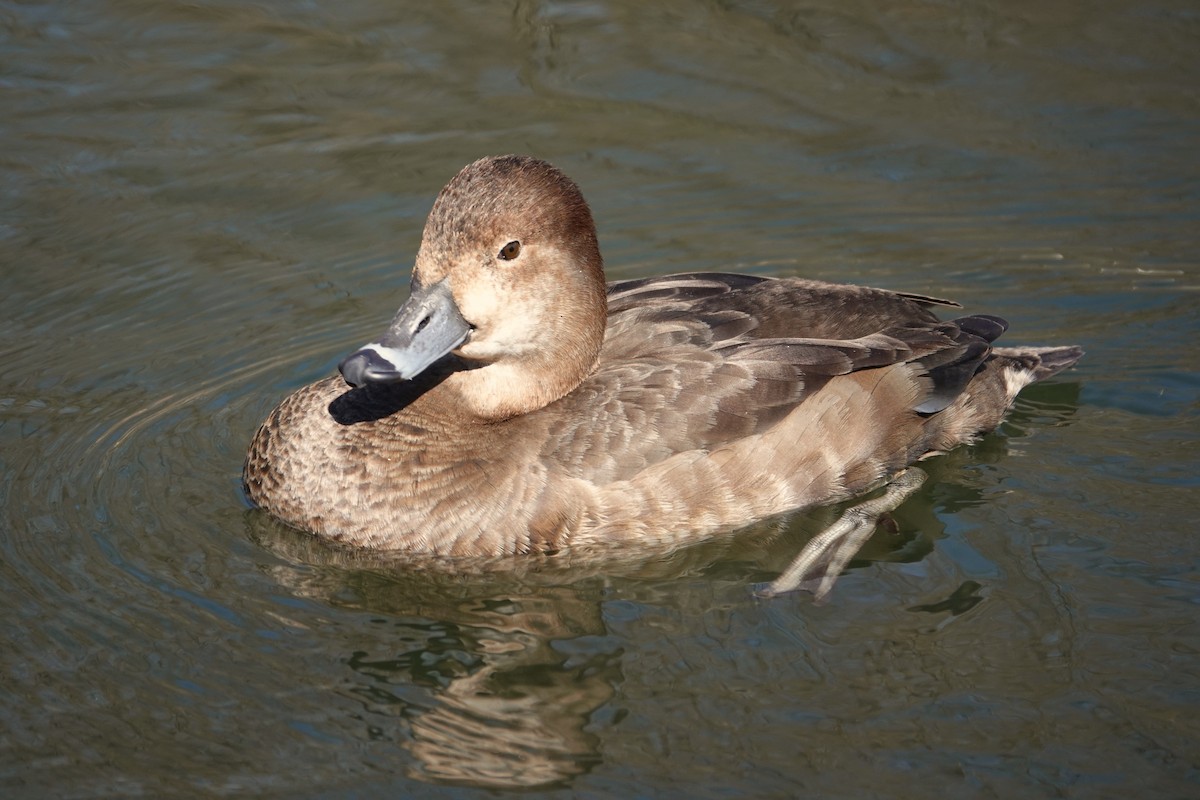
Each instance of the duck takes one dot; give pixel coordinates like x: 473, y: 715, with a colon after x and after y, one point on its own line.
x: 517, y: 404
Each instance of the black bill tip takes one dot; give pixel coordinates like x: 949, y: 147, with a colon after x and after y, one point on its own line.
x: 368, y: 366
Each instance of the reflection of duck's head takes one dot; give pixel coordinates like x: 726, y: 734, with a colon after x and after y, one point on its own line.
x: 520, y: 718
x: 497, y: 679
x: 509, y: 279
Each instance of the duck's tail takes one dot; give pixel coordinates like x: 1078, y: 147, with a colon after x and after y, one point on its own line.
x: 1021, y: 366
x: 1039, y: 362
x: 992, y: 391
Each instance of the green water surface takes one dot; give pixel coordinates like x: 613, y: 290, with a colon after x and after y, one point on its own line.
x: 205, y: 205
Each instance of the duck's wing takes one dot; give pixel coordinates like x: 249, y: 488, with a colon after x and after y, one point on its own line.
x: 680, y: 371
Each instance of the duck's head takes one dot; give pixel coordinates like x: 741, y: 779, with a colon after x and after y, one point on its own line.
x: 509, y: 281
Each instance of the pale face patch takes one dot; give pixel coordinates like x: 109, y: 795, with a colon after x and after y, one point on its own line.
x: 516, y: 306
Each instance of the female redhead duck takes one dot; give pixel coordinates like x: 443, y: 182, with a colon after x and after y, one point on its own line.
x: 517, y: 404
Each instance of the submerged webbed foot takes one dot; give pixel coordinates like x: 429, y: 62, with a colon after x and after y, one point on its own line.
x: 822, y: 560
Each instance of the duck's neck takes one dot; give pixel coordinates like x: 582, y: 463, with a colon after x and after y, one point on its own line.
x: 513, y: 386
x: 500, y: 391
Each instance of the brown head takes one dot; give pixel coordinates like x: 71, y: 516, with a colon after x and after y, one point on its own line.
x: 509, y: 279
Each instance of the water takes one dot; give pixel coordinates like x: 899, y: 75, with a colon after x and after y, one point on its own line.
x: 204, y: 205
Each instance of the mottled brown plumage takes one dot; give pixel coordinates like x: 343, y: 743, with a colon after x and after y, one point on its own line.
x: 659, y: 410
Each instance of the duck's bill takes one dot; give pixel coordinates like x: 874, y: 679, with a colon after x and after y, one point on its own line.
x: 427, y: 327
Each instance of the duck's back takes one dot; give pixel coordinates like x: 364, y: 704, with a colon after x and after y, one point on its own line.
x: 775, y: 307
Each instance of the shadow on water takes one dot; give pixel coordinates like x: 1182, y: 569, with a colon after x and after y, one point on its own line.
x: 498, y: 673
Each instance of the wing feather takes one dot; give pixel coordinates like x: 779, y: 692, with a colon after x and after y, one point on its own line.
x: 692, y: 362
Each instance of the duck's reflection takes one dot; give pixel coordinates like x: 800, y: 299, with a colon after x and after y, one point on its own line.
x: 509, y: 710
x: 491, y: 682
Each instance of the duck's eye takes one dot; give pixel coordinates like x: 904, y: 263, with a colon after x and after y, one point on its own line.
x: 510, y: 251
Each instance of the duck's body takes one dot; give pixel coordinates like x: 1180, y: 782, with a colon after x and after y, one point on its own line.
x: 517, y: 404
